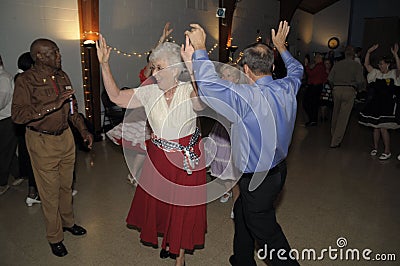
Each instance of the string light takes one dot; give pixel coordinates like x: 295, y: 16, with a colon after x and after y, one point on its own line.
x: 239, y: 58
x: 89, y: 38
x: 229, y: 42
x: 212, y: 49
x: 94, y: 35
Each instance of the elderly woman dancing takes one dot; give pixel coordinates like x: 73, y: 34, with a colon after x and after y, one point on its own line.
x: 170, y: 198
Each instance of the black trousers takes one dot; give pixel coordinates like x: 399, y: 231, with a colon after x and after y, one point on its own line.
x: 8, y: 148
x: 311, y: 101
x: 25, y: 166
x: 255, y: 220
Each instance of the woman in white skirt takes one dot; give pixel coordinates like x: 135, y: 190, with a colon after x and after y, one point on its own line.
x: 380, y: 111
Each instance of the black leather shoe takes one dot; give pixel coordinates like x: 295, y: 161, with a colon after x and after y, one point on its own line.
x: 335, y: 146
x: 58, y: 249
x: 164, y: 254
x: 76, y: 230
x: 232, y: 260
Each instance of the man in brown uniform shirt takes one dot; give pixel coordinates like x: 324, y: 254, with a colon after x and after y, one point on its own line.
x: 41, y: 100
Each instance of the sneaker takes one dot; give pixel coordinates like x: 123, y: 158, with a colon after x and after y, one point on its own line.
x: 18, y: 181
x: 225, y: 197
x: 3, y: 189
x: 373, y: 152
x: 30, y: 200
x: 385, y: 156
x: 74, y: 192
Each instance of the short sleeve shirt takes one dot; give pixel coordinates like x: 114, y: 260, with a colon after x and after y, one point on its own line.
x: 377, y: 74
x: 169, y: 122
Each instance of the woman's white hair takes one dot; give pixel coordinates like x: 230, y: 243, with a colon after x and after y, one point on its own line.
x: 169, y: 52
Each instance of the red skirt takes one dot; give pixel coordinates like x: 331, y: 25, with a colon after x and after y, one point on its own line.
x: 170, y: 203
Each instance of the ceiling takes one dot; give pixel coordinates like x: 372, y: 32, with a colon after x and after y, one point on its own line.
x: 314, y: 6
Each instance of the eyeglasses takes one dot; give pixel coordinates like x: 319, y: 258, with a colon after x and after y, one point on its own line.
x: 158, y: 68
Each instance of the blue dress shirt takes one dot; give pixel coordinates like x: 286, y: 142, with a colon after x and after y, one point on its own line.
x: 262, y: 114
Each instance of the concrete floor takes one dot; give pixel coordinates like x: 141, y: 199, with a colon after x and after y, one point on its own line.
x: 329, y: 193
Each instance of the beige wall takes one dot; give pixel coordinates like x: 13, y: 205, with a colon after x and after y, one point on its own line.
x: 130, y: 26
x: 314, y: 31
x: 250, y: 16
x: 23, y: 21
x: 137, y: 25
x: 331, y: 22
x: 301, y: 38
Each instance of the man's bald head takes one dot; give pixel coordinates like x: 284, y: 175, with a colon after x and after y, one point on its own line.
x: 37, y: 46
x: 46, y: 53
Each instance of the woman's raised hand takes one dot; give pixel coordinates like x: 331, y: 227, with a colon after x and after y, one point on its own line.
x: 166, y: 32
x: 187, y: 50
x: 394, y: 49
x: 373, y: 48
x: 103, y: 52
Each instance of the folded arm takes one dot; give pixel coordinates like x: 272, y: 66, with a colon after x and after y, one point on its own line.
x: 23, y: 110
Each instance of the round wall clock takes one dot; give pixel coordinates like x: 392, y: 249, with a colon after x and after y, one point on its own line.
x: 333, y: 43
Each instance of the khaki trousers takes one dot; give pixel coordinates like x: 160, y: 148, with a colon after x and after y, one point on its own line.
x: 53, y: 159
x: 343, y: 101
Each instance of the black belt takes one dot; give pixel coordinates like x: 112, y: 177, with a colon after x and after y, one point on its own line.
x: 276, y: 168
x: 271, y: 171
x: 344, y: 85
x: 53, y: 133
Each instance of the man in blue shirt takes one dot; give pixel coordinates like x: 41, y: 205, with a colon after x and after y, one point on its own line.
x: 263, y: 115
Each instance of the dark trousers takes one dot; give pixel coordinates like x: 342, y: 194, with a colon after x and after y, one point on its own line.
x: 8, y: 148
x: 255, y: 220
x: 311, y: 101
x: 25, y: 166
